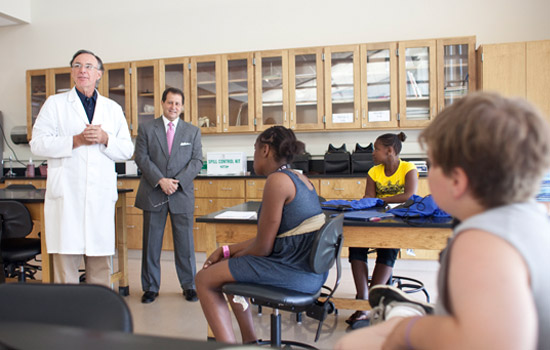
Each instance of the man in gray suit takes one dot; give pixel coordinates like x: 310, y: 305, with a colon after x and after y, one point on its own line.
x: 169, y: 155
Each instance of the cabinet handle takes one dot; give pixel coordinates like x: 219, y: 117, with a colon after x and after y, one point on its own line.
x: 364, y: 114
x: 285, y: 116
x: 339, y: 189
x: 130, y: 226
x: 196, y: 207
x: 356, y: 114
x: 218, y: 119
x: 227, y: 189
x: 223, y: 207
x: 196, y: 228
x: 291, y: 116
x: 210, y: 201
x: 224, y: 118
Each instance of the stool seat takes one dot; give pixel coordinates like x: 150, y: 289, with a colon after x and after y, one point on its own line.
x: 20, y: 250
x: 273, y: 297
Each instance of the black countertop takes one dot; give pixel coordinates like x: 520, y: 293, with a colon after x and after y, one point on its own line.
x: 384, y: 222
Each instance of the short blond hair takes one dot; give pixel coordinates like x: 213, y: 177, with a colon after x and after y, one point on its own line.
x: 502, y: 144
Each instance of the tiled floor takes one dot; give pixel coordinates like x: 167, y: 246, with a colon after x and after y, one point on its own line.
x: 170, y: 315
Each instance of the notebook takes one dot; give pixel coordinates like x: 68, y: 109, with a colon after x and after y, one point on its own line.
x: 366, y: 215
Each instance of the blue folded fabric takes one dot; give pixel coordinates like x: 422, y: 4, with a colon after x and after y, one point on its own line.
x: 417, y: 206
x: 342, y: 204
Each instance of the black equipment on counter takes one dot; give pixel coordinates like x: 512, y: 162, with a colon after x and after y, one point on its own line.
x: 337, y: 160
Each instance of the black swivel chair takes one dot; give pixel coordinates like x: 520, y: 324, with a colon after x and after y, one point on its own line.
x: 325, y: 252
x: 15, y: 249
x: 77, y: 305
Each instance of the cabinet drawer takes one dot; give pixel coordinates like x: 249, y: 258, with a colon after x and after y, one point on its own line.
x: 199, y: 236
x: 255, y: 189
x: 219, y: 188
x: 205, y: 206
x: 131, y: 208
x: 134, y: 230
x: 342, y: 188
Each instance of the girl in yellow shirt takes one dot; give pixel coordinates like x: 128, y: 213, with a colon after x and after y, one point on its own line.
x: 394, y: 181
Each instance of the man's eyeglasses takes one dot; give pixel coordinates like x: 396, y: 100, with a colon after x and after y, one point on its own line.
x: 87, y: 66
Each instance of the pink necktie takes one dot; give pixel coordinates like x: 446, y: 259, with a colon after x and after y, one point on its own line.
x: 170, y: 136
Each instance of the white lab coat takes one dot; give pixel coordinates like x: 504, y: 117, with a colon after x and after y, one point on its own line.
x: 81, y: 187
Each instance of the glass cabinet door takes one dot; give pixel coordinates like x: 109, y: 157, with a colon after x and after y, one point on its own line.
x: 417, y: 83
x: 62, y: 80
x: 306, y: 89
x: 145, y: 93
x: 238, y: 92
x: 174, y: 73
x: 342, y: 87
x: 379, y: 85
x: 457, y: 75
x: 116, y: 86
x: 271, y: 89
x: 37, y: 93
x: 206, y: 93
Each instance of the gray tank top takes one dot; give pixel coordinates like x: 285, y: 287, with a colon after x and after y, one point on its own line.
x: 526, y: 227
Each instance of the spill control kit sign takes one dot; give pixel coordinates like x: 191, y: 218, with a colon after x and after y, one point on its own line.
x: 226, y: 163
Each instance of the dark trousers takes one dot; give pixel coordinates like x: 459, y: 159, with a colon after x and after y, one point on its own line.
x: 184, y: 249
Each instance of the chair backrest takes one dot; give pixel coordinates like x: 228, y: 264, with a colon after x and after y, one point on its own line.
x: 327, y: 245
x: 78, y: 305
x: 16, y: 220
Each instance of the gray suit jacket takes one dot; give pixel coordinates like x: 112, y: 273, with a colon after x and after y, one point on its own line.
x: 183, y: 164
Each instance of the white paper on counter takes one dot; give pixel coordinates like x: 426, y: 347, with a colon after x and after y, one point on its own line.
x: 243, y: 215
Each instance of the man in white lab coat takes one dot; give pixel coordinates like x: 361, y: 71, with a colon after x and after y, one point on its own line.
x: 82, y: 134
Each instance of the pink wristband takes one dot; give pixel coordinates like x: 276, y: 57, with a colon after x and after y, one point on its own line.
x: 226, y: 252
x: 408, y: 332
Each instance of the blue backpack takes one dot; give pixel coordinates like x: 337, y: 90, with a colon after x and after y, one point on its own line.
x: 418, y: 207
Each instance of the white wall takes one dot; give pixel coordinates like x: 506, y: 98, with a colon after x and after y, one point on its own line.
x: 123, y: 30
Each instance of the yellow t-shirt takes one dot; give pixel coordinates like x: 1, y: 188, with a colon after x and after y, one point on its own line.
x: 392, y: 185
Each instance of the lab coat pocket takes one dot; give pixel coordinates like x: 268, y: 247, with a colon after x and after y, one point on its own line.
x: 55, y: 184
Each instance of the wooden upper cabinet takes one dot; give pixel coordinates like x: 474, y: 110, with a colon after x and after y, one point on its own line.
x: 115, y: 84
x: 38, y: 90
x: 538, y: 75
x: 342, y: 87
x: 379, y: 98
x: 61, y: 80
x: 238, y: 92
x: 456, y: 75
x: 145, y: 93
x: 271, y: 82
x: 417, y: 83
x: 174, y: 73
x: 306, y: 90
x: 517, y: 70
x: 206, y: 93
x: 502, y: 68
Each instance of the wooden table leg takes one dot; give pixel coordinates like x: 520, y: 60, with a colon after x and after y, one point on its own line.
x: 121, y: 242
x: 37, y: 213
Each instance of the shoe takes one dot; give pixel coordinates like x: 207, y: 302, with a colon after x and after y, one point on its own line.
x: 190, y: 294
x: 387, y: 302
x: 357, y: 316
x: 149, y: 297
